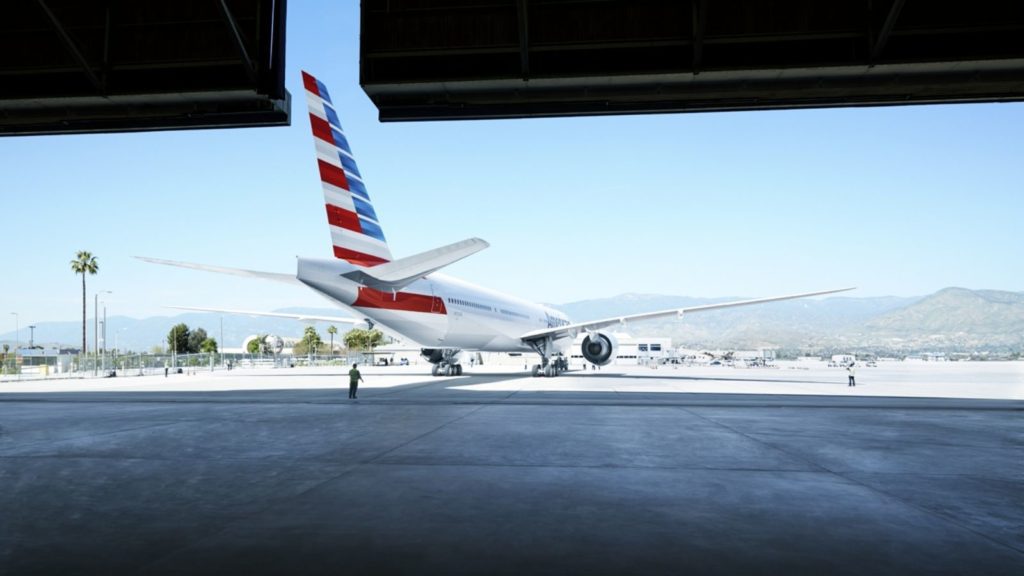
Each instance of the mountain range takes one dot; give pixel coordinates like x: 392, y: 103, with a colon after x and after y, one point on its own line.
x: 950, y: 320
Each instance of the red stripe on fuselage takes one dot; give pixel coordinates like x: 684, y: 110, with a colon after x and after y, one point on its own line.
x: 321, y: 129
x: 358, y: 258
x: 338, y: 216
x: 406, y: 301
x: 310, y: 83
x: 332, y: 174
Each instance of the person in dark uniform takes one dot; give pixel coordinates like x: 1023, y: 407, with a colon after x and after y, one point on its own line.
x: 353, y: 381
x: 853, y: 373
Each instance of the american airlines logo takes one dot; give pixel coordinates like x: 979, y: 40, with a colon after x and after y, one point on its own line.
x: 555, y: 322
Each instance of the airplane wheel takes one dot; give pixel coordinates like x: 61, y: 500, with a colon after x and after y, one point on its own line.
x: 536, y: 370
x: 458, y: 369
x: 549, y: 371
x: 448, y: 370
x: 435, y: 370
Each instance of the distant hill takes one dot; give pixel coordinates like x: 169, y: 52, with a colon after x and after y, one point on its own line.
x: 956, y: 317
x: 952, y: 319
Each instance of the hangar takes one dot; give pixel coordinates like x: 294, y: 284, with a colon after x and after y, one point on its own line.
x: 96, y: 65
x: 429, y: 476
x: 516, y: 58
x: 86, y: 66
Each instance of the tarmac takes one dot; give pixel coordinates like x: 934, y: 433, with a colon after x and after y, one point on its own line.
x: 703, y: 470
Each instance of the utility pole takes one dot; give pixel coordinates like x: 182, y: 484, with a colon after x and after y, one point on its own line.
x: 95, y: 327
x: 31, y: 336
x: 103, y: 350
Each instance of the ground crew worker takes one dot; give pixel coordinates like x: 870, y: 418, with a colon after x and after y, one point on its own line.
x: 853, y: 373
x: 353, y: 381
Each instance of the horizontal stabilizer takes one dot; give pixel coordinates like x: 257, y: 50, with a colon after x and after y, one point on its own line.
x: 275, y: 276
x: 397, y: 274
x: 299, y: 317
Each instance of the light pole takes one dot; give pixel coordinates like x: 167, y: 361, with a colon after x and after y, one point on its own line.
x: 95, y: 327
x: 103, y: 349
x: 31, y: 336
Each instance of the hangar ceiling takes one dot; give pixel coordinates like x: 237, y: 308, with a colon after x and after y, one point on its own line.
x: 452, y: 59
x: 69, y: 66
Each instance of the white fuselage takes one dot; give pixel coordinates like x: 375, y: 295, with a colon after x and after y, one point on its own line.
x: 437, y: 311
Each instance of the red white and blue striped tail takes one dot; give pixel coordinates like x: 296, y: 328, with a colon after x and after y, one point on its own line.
x: 355, y: 230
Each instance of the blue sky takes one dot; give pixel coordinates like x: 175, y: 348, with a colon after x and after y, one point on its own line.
x: 898, y: 201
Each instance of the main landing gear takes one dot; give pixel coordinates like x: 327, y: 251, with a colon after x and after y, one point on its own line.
x: 446, y: 370
x: 548, y: 366
x: 447, y: 364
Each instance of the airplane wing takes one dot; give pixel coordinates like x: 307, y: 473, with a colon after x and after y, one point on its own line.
x: 299, y: 317
x: 275, y: 276
x: 679, y: 312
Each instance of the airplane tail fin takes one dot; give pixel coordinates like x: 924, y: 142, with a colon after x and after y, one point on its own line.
x: 355, y: 231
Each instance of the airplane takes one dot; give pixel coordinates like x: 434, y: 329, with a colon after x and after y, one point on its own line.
x: 409, y: 297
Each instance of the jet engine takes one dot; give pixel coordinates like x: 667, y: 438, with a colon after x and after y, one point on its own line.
x: 432, y: 355
x: 600, y: 348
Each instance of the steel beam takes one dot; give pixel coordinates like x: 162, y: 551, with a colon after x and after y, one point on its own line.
x: 236, y: 35
x: 883, y: 36
x: 70, y: 45
x: 524, y: 38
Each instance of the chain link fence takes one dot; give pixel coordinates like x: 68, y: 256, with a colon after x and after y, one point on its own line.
x: 128, y: 364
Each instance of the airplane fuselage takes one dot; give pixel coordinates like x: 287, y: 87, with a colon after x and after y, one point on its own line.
x: 436, y: 311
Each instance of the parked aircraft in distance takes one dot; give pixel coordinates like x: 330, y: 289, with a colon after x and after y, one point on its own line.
x: 409, y: 297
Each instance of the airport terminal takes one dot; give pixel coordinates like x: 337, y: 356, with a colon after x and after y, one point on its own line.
x: 445, y: 428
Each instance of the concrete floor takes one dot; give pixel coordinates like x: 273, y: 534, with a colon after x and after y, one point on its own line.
x: 278, y: 473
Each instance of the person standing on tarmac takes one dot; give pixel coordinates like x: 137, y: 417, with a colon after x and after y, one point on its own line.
x: 354, y: 377
x: 852, y: 370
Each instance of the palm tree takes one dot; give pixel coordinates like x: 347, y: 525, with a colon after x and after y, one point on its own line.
x: 332, y: 331
x: 84, y: 263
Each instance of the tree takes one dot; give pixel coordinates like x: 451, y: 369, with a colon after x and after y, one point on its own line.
x: 177, y: 339
x: 365, y: 340
x: 195, y: 340
x: 84, y: 263
x: 332, y: 331
x: 208, y: 346
x: 255, y: 346
x: 310, y: 342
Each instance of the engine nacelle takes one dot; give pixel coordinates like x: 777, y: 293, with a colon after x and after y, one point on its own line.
x: 432, y: 355
x: 600, y: 348
x: 441, y: 355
